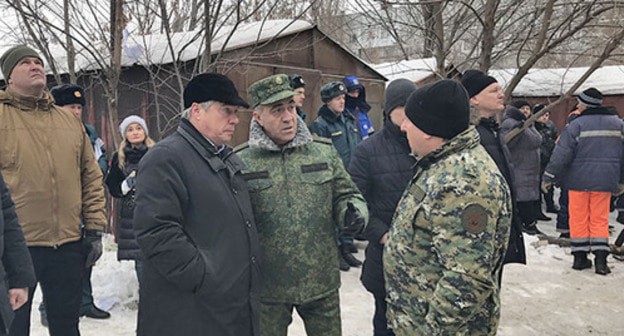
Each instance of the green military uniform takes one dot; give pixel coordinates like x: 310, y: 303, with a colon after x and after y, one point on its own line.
x: 446, y: 245
x: 299, y: 193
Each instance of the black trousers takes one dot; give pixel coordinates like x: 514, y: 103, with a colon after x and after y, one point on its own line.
x: 380, y: 322
x: 528, y: 211
x: 60, y: 272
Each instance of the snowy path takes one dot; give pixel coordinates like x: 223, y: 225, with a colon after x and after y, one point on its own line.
x: 546, y: 297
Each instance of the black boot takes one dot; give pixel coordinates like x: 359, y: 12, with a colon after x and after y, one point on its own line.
x: 348, y: 256
x: 620, y: 217
x: 601, y: 262
x: 96, y: 313
x: 530, y: 229
x: 580, y: 261
x: 541, y: 216
x: 342, y: 264
x: 352, y: 248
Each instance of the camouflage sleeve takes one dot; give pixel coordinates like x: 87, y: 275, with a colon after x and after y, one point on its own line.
x: 344, y: 191
x: 469, y: 240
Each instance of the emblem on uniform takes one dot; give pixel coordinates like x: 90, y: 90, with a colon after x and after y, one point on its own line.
x: 474, y: 218
x: 341, y: 88
x: 77, y: 94
x: 278, y: 80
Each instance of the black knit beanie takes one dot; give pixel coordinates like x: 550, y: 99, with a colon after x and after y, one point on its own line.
x: 590, y: 97
x: 440, y: 109
x: 397, y: 93
x: 520, y: 102
x: 475, y: 81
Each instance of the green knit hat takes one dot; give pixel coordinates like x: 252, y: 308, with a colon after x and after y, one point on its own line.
x: 9, y: 59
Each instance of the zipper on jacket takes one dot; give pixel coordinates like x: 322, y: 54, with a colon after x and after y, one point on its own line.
x: 284, y: 171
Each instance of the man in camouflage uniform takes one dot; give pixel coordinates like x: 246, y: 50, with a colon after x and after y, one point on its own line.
x: 450, y: 230
x: 300, y: 192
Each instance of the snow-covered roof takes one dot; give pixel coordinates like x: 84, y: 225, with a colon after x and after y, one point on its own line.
x: 554, y: 82
x: 414, y: 70
x: 189, y: 44
x: 537, y: 82
x: 154, y: 48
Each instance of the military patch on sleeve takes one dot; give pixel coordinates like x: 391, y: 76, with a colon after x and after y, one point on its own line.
x: 474, y: 218
x: 255, y: 175
x: 419, y: 194
x: 314, y: 167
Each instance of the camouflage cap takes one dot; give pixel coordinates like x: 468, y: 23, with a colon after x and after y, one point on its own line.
x: 270, y: 90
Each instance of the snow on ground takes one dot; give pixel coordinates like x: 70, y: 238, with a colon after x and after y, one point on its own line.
x: 546, y: 297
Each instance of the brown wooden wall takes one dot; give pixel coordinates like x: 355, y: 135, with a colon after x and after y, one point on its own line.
x: 156, y: 97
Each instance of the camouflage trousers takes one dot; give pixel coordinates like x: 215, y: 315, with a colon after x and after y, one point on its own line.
x: 320, y: 317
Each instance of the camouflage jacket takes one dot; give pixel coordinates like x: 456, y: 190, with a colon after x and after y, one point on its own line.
x: 299, y: 195
x: 447, y: 241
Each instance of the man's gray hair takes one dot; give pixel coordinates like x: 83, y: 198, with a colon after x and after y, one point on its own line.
x: 186, y: 114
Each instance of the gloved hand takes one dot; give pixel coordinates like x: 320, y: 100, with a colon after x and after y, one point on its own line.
x: 129, y: 183
x: 546, y: 186
x: 92, y: 242
x: 354, y: 221
x: 619, y: 190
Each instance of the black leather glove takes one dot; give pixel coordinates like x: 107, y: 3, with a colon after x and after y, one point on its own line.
x: 354, y: 221
x: 92, y: 241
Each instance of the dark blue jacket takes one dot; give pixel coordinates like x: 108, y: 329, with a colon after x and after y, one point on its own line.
x: 589, y: 155
x: 342, y: 129
x: 381, y: 167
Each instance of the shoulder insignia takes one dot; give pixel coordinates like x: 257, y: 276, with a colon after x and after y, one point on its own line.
x: 474, y: 218
x: 241, y: 147
x: 419, y: 194
x: 319, y: 139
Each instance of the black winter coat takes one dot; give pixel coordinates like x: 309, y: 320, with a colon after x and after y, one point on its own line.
x: 549, y: 140
x: 381, y: 167
x: 16, y: 268
x: 495, y: 146
x: 195, y: 227
x: 127, y: 246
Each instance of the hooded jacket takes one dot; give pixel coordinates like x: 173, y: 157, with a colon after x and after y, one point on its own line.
x: 48, y: 164
x: 299, y: 193
x: 525, y: 155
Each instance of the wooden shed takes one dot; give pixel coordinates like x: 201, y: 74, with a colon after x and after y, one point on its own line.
x: 150, y: 84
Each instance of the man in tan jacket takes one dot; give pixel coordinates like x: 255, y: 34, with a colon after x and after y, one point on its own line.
x: 49, y: 167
